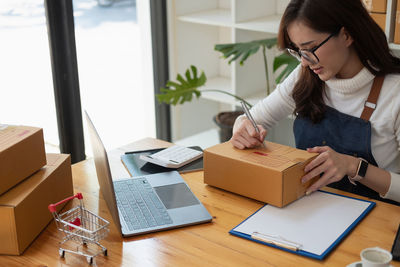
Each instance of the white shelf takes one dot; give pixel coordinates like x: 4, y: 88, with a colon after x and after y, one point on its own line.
x: 216, y: 17
x: 204, y: 139
x: 394, y: 46
x: 194, y: 27
x: 220, y: 83
x: 268, y: 24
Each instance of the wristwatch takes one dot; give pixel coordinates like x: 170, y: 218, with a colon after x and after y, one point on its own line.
x: 361, y: 171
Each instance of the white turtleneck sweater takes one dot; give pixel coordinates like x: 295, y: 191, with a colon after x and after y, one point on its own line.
x: 348, y: 96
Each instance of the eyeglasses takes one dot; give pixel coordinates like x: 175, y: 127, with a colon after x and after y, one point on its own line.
x: 309, y: 54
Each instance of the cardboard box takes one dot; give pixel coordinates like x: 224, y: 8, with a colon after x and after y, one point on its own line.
x: 271, y: 175
x: 376, y: 6
x: 380, y: 19
x: 23, y: 209
x: 396, y: 38
x: 21, y: 154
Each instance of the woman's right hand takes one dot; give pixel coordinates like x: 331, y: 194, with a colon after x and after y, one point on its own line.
x: 245, y: 136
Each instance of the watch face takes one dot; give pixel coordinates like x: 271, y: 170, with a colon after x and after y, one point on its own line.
x: 361, y: 171
x: 363, y: 168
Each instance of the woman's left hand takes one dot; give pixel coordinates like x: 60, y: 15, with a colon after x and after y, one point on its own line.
x: 332, y: 164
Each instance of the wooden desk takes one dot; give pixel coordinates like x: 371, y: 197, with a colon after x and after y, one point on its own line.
x: 200, y: 245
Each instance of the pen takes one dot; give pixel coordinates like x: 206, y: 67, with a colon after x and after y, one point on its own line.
x: 275, y: 241
x: 248, y: 115
x: 143, y: 151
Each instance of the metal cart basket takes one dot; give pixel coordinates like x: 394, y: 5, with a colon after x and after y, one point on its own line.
x: 80, y: 227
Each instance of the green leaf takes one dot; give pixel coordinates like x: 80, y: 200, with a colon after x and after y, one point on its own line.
x: 244, y: 50
x: 286, y: 60
x: 183, y: 89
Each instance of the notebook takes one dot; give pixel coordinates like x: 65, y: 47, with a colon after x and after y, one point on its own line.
x: 311, y: 226
x: 145, y: 203
x: 136, y: 166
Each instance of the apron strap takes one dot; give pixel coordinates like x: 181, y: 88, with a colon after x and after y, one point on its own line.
x: 370, y: 104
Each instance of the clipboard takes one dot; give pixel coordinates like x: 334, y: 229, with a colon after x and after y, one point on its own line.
x: 138, y: 167
x: 311, y: 226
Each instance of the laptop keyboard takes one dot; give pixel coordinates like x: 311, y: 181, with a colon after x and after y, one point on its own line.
x: 139, y: 204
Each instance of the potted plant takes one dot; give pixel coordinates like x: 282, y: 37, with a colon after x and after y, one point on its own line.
x: 185, y: 87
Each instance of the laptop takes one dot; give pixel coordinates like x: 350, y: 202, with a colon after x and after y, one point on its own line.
x: 148, y: 203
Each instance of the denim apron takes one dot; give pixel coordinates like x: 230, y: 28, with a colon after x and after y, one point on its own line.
x: 345, y: 134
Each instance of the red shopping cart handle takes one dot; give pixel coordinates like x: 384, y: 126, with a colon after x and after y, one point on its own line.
x: 52, y: 207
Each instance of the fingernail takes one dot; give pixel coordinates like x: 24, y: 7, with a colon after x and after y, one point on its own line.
x: 308, y: 193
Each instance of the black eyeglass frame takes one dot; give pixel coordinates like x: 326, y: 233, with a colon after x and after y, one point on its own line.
x: 312, y: 50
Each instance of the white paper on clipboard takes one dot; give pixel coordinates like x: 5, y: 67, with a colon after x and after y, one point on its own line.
x: 315, y: 221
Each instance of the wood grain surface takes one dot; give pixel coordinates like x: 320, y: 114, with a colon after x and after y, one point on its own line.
x: 207, y: 244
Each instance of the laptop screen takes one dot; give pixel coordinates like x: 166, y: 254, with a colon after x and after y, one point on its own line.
x: 103, y: 171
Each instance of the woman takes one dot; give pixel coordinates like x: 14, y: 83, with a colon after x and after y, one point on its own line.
x: 355, y: 129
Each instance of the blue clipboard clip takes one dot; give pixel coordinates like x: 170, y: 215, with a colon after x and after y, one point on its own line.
x: 276, y: 240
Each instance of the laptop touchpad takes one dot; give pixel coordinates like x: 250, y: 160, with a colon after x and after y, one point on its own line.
x: 176, y: 195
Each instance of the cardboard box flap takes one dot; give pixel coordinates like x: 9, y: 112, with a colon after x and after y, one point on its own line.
x: 275, y: 156
x: 15, y: 195
x: 11, y: 135
x: 298, y: 156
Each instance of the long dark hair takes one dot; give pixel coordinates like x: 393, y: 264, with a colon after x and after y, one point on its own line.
x: 328, y: 16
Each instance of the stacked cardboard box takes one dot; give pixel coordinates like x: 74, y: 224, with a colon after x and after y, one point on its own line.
x: 21, y: 154
x: 377, y: 10
x: 396, y: 38
x: 29, y: 181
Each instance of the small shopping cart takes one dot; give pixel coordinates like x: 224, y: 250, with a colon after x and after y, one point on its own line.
x: 80, y: 228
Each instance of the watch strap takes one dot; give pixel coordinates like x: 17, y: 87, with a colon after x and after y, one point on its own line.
x: 361, y: 171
